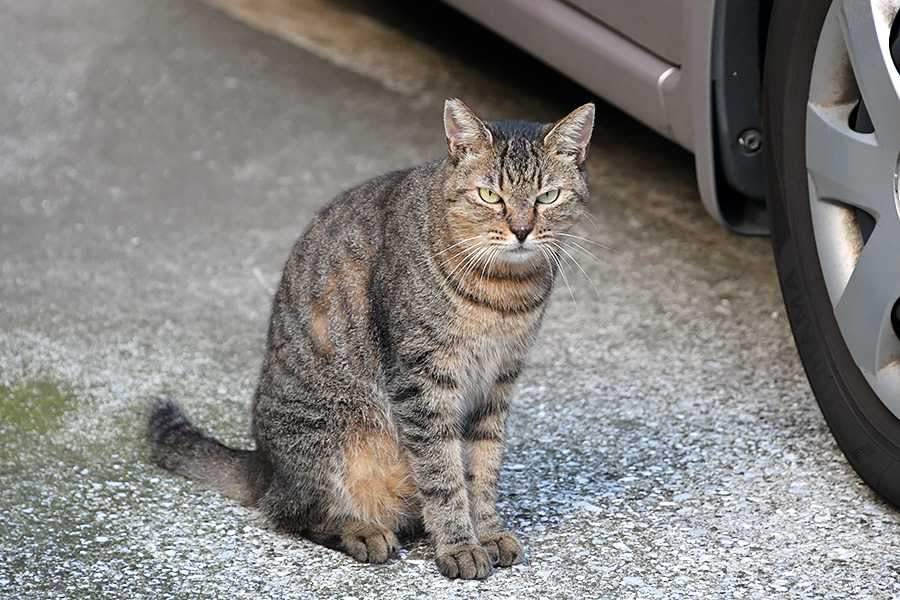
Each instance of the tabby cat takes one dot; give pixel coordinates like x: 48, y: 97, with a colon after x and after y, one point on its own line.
x: 398, y: 330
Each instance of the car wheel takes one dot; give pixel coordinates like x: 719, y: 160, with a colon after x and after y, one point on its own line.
x: 831, y: 112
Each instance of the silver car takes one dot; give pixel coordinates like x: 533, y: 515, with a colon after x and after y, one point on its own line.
x: 792, y: 111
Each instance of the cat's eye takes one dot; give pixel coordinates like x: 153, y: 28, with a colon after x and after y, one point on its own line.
x: 488, y: 195
x: 548, y: 197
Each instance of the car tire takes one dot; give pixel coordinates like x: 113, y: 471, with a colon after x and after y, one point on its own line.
x: 860, y: 408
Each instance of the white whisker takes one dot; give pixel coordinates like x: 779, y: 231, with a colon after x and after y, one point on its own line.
x: 468, y: 254
x: 584, y: 239
x: 581, y: 250
x: 574, y: 260
x: 474, y: 237
x: 586, y: 214
x: 469, y: 264
x: 562, y: 271
x: 465, y: 250
x: 473, y: 264
x: 486, y: 270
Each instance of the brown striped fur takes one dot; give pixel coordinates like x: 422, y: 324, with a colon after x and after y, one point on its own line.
x: 401, y: 323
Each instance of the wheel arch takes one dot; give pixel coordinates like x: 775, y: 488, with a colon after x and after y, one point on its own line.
x: 729, y: 146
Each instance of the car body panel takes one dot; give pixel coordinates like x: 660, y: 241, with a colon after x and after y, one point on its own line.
x: 593, y: 54
x: 651, y: 24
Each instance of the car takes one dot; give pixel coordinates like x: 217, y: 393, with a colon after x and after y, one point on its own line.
x: 792, y: 111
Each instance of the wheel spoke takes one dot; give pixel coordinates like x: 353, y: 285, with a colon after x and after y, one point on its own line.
x: 847, y: 166
x: 863, y: 311
x: 866, y: 25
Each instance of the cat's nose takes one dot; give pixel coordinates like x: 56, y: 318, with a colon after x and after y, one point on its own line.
x: 521, y: 230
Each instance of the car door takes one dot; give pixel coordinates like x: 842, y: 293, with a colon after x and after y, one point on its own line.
x: 655, y: 25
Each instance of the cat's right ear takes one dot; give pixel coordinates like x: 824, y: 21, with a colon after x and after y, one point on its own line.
x: 466, y: 133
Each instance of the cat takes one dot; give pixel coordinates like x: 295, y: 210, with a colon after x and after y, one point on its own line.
x: 401, y: 323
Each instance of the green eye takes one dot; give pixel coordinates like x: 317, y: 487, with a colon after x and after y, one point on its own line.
x: 489, y: 196
x: 548, y: 197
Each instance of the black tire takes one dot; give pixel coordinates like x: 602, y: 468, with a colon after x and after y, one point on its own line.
x: 867, y: 432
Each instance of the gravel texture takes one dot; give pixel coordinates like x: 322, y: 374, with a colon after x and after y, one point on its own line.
x: 157, y: 161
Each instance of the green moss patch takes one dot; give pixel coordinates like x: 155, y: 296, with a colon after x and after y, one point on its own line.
x: 32, y: 406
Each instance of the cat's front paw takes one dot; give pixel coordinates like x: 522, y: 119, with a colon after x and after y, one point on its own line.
x: 504, y: 549
x: 465, y: 562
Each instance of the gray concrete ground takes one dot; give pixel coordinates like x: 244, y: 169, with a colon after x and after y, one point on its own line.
x: 157, y: 160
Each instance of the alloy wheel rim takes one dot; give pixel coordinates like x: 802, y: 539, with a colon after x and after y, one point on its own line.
x: 854, y: 174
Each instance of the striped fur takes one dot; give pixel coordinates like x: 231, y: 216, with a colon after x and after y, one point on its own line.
x: 400, y: 326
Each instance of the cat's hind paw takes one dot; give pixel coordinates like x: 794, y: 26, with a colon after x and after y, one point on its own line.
x: 369, y: 543
x: 465, y: 562
x: 504, y: 549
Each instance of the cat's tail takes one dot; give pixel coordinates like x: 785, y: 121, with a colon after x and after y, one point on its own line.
x: 174, y: 443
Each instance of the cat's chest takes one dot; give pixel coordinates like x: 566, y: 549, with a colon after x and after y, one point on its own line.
x: 487, y: 344
x: 489, y: 328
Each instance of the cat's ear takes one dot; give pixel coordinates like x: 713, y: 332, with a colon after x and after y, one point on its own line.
x: 571, y: 136
x: 466, y: 133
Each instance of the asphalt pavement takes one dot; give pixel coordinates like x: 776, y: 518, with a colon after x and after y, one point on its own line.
x: 157, y: 161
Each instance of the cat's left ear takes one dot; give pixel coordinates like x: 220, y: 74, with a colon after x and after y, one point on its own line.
x: 466, y: 133
x: 571, y: 136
